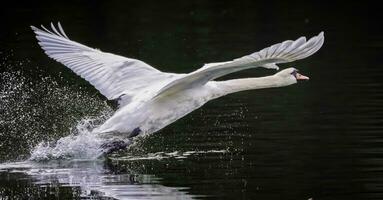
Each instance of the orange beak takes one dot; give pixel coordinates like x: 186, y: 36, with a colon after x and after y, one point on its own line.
x: 301, y: 77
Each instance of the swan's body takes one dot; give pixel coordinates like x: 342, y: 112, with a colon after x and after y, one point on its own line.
x: 150, y: 99
x: 150, y: 115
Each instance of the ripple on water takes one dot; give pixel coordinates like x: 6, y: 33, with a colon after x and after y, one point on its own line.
x: 167, y: 155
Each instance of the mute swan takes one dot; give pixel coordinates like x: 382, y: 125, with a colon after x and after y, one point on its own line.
x: 150, y: 99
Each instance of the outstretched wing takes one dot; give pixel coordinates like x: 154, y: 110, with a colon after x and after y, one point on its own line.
x: 284, y: 52
x: 111, y: 74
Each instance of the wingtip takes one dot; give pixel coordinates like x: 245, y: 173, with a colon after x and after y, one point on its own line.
x: 33, y: 28
x: 302, y: 38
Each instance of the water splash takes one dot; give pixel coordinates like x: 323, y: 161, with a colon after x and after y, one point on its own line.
x: 82, y: 143
x: 36, y: 107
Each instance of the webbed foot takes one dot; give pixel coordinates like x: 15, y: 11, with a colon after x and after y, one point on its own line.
x: 110, y: 147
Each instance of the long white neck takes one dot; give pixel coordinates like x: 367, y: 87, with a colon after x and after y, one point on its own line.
x: 237, y: 85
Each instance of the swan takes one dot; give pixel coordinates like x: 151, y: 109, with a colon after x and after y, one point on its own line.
x: 149, y: 99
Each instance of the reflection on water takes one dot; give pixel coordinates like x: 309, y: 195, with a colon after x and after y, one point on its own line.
x: 120, y: 177
x: 86, y: 179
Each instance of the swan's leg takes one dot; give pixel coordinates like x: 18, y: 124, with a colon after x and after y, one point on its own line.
x: 135, y: 132
x: 113, y: 146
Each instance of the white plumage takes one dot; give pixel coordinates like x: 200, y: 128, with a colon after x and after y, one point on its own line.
x: 150, y: 99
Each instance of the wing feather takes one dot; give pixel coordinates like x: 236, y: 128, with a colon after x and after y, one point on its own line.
x: 113, y: 75
x: 286, y: 51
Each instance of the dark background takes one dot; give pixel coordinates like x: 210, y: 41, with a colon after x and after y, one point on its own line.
x: 321, y: 139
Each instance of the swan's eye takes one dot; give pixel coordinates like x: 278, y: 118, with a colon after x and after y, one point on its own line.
x: 294, y: 73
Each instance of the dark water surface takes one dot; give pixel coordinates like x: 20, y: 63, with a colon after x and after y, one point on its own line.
x: 321, y: 139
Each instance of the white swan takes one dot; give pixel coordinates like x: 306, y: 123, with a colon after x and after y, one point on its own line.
x: 150, y: 99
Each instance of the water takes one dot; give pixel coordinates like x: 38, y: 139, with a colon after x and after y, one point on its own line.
x: 320, y: 139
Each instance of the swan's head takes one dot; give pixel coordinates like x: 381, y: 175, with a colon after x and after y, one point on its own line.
x: 290, y: 76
